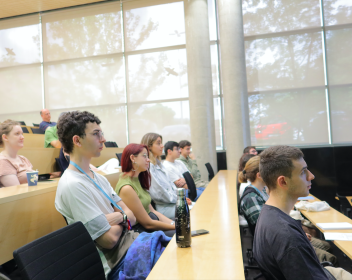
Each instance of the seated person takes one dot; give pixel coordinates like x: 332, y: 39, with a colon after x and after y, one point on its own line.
x: 13, y: 167
x: 255, y: 196
x: 176, y: 168
x: 250, y: 150
x: 281, y: 247
x: 243, y: 160
x: 133, y: 187
x: 189, y: 160
x: 51, y: 139
x: 45, y: 114
x: 83, y: 195
x: 162, y: 190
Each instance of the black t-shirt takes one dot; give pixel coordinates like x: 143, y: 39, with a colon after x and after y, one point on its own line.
x: 282, y: 249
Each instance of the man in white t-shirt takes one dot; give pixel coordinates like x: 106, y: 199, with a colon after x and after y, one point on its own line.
x: 79, y: 199
x: 176, y: 168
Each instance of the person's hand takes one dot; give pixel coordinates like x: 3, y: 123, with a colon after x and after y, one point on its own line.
x: 55, y: 174
x: 178, y: 183
x: 185, y: 186
x: 192, y: 156
x: 189, y: 202
x: 309, y: 236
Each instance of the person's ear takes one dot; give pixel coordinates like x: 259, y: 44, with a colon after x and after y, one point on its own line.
x: 282, y: 182
x: 258, y: 175
x: 76, y: 141
x: 132, y: 158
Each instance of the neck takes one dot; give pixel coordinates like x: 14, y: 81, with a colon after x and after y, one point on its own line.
x: 259, y: 185
x: 170, y: 159
x: 82, y: 161
x: 282, y: 201
x: 9, y: 152
x: 133, y: 174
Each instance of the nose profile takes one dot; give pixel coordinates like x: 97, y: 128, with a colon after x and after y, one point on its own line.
x: 310, y: 176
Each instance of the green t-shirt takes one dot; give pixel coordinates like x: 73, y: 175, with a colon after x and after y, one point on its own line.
x: 50, y: 135
x: 143, y: 195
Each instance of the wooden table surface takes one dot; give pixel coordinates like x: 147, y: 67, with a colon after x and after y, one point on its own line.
x: 27, y: 213
x: 217, y: 255
x: 331, y: 216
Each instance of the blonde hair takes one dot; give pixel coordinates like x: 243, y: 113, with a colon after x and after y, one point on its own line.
x: 5, y: 128
x: 250, y: 170
x: 148, y: 140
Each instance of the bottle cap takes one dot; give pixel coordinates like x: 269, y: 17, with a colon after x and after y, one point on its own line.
x: 180, y: 192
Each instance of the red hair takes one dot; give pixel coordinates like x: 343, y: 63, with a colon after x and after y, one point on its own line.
x: 126, y: 163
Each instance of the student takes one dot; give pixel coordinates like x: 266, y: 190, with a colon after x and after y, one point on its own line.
x: 255, y: 196
x: 83, y: 195
x: 250, y: 150
x: 243, y: 160
x: 46, y: 117
x: 162, y: 190
x: 176, y: 168
x: 189, y: 160
x: 13, y: 167
x: 133, y: 187
x: 51, y: 139
x: 281, y: 247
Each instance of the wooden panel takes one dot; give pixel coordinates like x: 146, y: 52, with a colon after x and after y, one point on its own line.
x: 43, y: 159
x: 22, y: 7
x: 27, y: 213
x: 217, y: 255
x: 34, y: 140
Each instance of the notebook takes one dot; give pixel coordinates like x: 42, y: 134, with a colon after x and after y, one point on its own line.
x: 326, y: 226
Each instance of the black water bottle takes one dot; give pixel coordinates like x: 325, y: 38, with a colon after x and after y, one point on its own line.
x: 182, y: 220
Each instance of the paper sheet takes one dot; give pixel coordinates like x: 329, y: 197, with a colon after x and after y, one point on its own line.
x: 327, y: 226
x: 338, y: 236
x: 306, y: 198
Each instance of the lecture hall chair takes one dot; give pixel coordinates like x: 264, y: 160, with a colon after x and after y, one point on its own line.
x: 65, y: 254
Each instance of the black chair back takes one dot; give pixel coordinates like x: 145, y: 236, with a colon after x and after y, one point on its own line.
x: 59, y: 165
x: 191, y: 185
x: 25, y: 129
x: 110, y: 144
x: 119, y: 156
x: 21, y: 122
x: 68, y: 253
x: 210, y: 171
x: 37, y: 131
x: 36, y: 124
x: 345, y: 206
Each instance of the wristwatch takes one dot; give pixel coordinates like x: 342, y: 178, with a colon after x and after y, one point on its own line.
x: 124, y: 217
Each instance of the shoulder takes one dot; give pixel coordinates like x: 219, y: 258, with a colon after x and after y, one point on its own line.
x: 26, y: 160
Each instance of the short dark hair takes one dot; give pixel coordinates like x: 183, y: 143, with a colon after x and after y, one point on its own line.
x: 247, y: 149
x: 184, y: 143
x: 71, y: 124
x: 277, y: 161
x: 170, y: 146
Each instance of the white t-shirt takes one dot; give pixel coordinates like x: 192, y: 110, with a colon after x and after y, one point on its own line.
x: 78, y: 199
x: 175, y: 169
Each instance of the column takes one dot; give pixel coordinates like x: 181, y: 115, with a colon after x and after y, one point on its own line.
x: 200, y: 84
x: 234, y: 80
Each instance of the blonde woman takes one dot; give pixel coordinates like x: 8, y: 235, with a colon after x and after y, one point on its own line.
x: 13, y: 167
x: 162, y: 190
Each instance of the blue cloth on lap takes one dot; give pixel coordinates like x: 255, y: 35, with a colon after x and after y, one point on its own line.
x: 143, y: 254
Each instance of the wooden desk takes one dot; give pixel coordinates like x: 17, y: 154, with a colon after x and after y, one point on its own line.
x: 105, y: 155
x: 331, y: 216
x: 217, y: 255
x: 34, y: 140
x: 27, y: 213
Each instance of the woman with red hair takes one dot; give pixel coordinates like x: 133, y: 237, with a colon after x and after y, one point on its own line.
x: 133, y: 187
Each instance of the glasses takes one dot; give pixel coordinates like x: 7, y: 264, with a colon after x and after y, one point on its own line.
x: 98, y: 134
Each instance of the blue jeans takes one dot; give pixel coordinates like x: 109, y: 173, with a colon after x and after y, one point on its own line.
x: 199, y: 192
x: 114, y: 273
